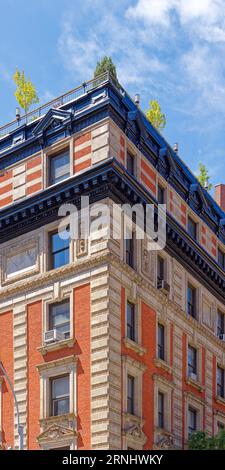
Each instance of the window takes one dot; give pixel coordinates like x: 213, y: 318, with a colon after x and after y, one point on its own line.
x: 191, y: 301
x: 161, y: 410
x: 192, y: 360
x: 59, y: 167
x: 220, y: 426
x: 131, y: 333
x: 130, y: 163
x: 161, y: 195
x: 130, y: 394
x: 192, y: 420
x: 59, y: 317
x: 60, y: 395
x: 192, y: 228
x: 221, y: 258
x: 220, y: 323
x: 59, y: 250
x: 130, y: 251
x: 160, y: 268
x: 161, y: 341
x: 220, y: 382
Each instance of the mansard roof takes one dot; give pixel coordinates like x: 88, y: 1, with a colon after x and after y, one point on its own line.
x: 90, y: 103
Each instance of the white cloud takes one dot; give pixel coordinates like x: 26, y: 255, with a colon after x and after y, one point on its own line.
x: 181, y: 71
x: 206, y: 76
x: 80, y: 51
x: 154, y: 11
x: 204, y: 18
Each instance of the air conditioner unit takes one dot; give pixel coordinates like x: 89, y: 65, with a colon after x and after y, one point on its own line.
x: 193, y: 376
x: 52, y: 336
x: 222, y: 337
x: 163, y: 285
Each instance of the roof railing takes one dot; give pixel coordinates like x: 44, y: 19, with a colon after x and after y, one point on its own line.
x: 72, y: 95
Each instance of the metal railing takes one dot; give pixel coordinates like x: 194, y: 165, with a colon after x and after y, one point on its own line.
x: 56, y: 103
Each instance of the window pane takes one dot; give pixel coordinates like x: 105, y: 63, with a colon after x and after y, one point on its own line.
x: 60, y: 259
x: 130, y: 251
x: 161, y: 410
x: 130, y: 163
x: 130, y: 394
x: 192, y: 420
x: 192, y: 360
x: 60, y: 387
x: 161, y: 341
x: 59, y: 167
x: 58, y: 243
x: 191, y: 300
x: 221, y: 258
x: 61, y: 406
x: 131, y: 321
x: 60, y: 395
x: 220, y: 323
x: 220, y: 382
x: 192, y: 228
x: 59, y: 250
x: 161, y: 195
x: 161, y: 266
x: 59, y: 317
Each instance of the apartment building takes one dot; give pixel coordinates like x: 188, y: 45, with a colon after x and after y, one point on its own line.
x: 108, y: 345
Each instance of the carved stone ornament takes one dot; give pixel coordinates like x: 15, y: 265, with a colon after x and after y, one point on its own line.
x: 135, y: 432
x: 56, y: 431
x: 147, y: 262
x: 82, y: 247
x: 165, y: 442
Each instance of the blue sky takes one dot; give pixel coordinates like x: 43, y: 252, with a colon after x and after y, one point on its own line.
x: 171, y: 50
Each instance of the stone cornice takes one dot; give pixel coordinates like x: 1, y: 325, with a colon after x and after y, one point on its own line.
x: 77, y: 115
x: 109, y: 180
x: 41, y: 280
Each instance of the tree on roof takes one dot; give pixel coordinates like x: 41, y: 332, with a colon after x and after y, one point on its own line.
x: 155, y: 115
x: 106, y: 65
x: 203, y: 177
x: 25, y: 93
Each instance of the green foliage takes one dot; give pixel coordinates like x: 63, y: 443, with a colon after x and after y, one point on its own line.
x: 203, y: 176
x: 25, y: 93
x: 106, y: 65
x: 220, y: 440
x: 155, y: 115
x: 200, y: 441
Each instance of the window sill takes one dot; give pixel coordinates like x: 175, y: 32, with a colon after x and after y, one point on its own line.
x: 66, y: 343
x: 194, y: 383
x: 163, y: 365
x: 130, y: 344
x: 70, y: 417
x: 220, y: 400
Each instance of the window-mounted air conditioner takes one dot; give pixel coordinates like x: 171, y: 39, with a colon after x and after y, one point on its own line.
x: 52, y: 336
x: 163, y: 285
x: 222, y: 337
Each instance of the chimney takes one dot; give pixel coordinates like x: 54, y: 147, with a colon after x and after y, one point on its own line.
x: 137, y: 99
x: 176, y: 147
x: 219, y: 195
